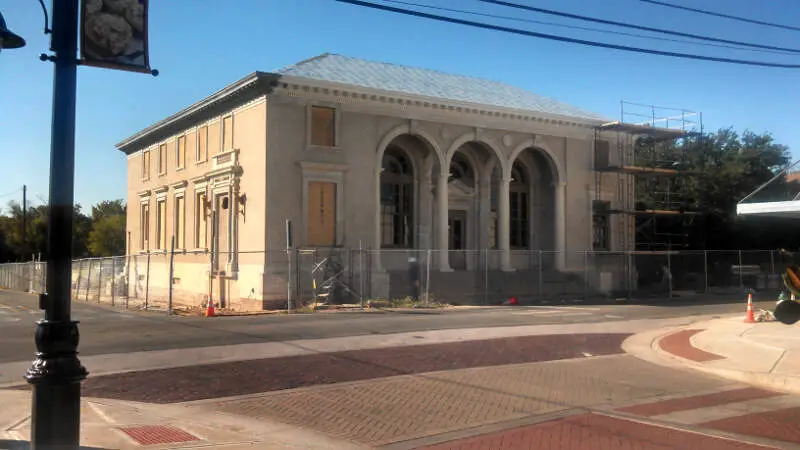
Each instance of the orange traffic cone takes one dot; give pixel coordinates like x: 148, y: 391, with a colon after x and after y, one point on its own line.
x: 749, y: 318
x: 210, y: 307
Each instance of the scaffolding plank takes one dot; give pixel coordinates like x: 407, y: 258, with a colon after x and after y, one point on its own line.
x: 638, y: 170
x: 647, y: 130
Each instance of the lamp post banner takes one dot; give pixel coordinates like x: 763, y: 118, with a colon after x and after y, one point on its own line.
x: 114, y: 34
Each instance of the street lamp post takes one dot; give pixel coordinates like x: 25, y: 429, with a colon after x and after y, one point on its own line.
x: 56, y: 373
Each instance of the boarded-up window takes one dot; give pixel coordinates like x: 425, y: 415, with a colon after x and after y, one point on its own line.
x: 227, y: 134
x: 202, y: 145
x: 200, y: 220
x: 162, y: 159
x: 161, y: 225
x: 146, y: 165
x: 601, y: 225
x: 180, y: 222
x: 180, y: 153
x: 144, y: 226
x: 323, y: 126
x: 321, y: 213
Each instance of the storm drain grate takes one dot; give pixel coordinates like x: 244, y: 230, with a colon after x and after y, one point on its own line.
x: 158, y: 434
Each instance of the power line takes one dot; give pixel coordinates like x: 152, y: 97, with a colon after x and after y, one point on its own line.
x: 637, y: 27
x: 576, y: 27
x: 726, y: 16
x: 552, y: 37
x: 10, y: 193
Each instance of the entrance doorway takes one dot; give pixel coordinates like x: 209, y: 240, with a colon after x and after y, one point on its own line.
x: 457, y: 240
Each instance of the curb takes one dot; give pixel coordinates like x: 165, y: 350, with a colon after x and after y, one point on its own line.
x: 646, y: 346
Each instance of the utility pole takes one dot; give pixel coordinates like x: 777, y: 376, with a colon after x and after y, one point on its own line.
x: 24, y: 216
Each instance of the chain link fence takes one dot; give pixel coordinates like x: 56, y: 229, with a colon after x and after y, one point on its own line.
x: 314, y: 279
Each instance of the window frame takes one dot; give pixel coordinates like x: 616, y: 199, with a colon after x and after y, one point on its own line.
x: 202, y: 131
x: 179, y: 228
x: 161, y: 225
x: 222, y: 134
x: 519, y: 192
x: 337, y: 120
x: 178, y: 165
x: 144, y: 224
x: 145, y: 170
x: 403, y: 188
x: 201, y: 216
x: 163, y: 158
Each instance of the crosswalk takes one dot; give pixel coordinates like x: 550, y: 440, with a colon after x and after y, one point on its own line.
x: 558, y: 311
x: 16, y: 313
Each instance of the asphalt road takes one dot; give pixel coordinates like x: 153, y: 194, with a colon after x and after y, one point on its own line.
x: 105, y: 330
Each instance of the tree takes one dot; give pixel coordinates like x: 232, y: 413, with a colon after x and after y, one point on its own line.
x: 721, y: 168
x: 107, y: 237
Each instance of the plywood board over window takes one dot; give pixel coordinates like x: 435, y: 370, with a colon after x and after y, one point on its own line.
x: 227, y: 133
x: 323, y: 126
x: 146, y: 164
x: 180, y: 222
x: 144, y: 227
x: 202, y: 144
x: 161, y: 225
x: 180, y: 153
x: 321, y: 227
x: 162, y: 159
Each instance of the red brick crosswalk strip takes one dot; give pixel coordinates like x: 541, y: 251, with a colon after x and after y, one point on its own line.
x: 157, y: 434
x: 679, y: 344
x: 594, y: 432
x: 781, y: 425
x: 698, y: 401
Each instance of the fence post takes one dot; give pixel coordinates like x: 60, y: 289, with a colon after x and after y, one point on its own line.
x: 428, y: 277
x: 100, y: 281
x: 586, y: 275
x: 128, y: 279
x: 113, y: 280
x: 288, y: 280
x: 669, y: 272
x: 171, y: 274
x: 147, y: 283
x: 539, y: 281
x: 486, y: 277
x: 741, y: 280
x: 705, y: 270
x: 88, y: 282
x: 360, y: 274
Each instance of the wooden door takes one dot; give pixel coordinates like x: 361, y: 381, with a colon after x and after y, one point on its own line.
x: 321, y: 226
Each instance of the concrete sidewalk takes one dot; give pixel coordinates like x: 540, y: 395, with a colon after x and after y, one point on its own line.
x: 763, y: 354
x: 113, y: 424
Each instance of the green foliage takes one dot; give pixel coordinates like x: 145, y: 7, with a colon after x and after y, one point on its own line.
x: 101, y: 234
x: 721, y: 168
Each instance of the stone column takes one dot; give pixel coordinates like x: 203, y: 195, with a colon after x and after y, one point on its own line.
x: 376, y: 256
x: 442, y: 231
x: 504, y: 224
x: 559, y: 231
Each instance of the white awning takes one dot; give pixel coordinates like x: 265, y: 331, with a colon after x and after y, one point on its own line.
x: 774, y: 209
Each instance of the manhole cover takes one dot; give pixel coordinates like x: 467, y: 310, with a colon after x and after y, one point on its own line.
x: 158, y: 434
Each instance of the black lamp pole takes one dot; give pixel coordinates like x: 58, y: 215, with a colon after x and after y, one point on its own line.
x: 56, y: 373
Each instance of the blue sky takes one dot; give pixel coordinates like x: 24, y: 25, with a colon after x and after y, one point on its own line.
x: 199, y: 46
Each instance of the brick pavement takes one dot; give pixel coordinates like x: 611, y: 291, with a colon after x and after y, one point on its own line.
x: 249, y: 377
x: 383, y: 411
x: 783, y: 425
x: 699, y: 401
x: 679, y: 344
x: 593, y: 432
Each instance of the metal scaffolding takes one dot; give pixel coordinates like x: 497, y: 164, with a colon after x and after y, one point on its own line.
x: 638, y: 195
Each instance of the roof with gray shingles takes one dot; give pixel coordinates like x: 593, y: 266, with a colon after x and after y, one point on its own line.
x: 336, y: 68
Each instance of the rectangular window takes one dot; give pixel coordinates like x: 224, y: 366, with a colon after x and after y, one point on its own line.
x: 323, y: 126
x: 146, y: 164
x: 601, y: 225
x: 180, y: 222
x: 144, y: 226
x: 321, y: 227
x: 162, y: 159
x: 227, y: 133
x: 200, y: 220
x: 161, y: 224
x: 202, y: 144
x: 180, y: 153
